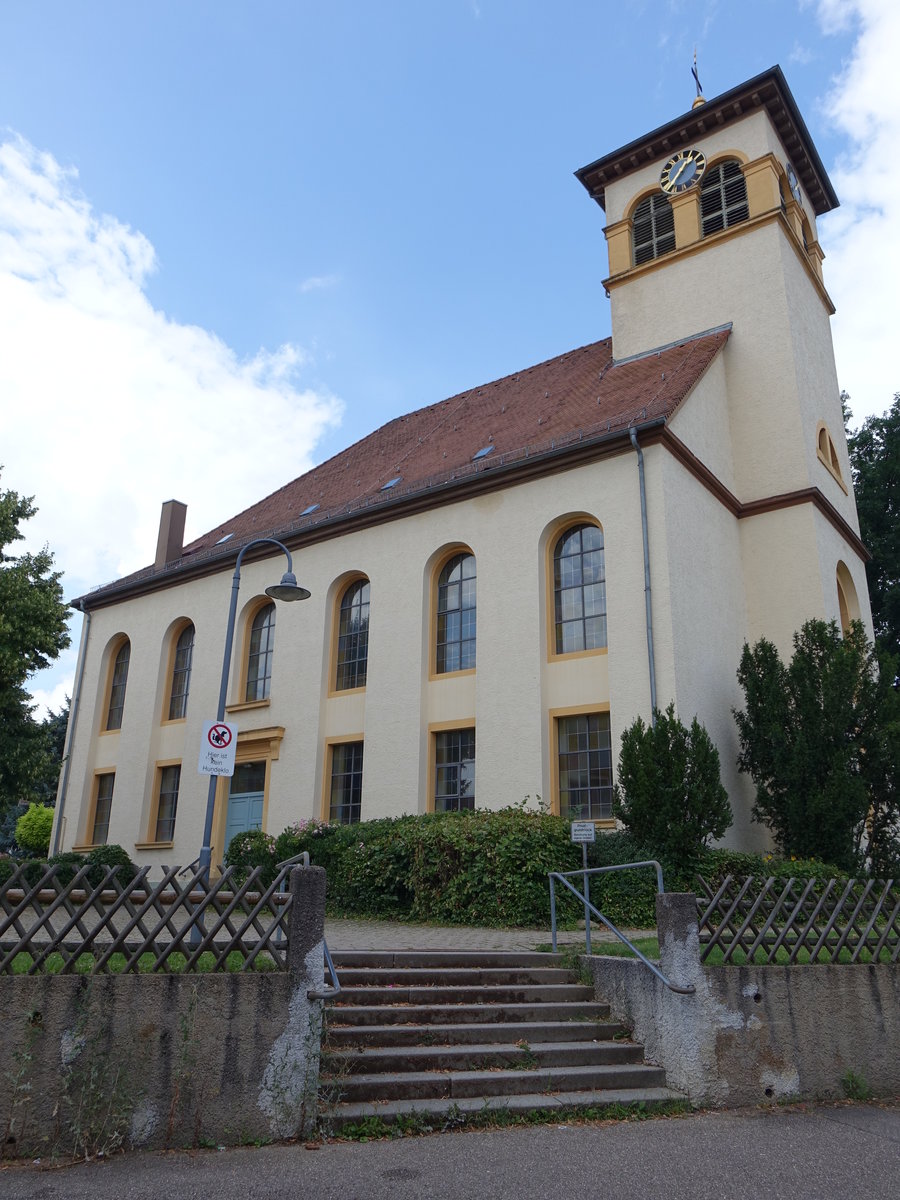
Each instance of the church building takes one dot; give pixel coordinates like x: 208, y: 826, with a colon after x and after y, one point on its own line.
x: 501, y: 582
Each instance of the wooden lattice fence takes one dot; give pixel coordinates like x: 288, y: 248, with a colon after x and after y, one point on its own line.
x: 136, y: 925
x: 769, y: 921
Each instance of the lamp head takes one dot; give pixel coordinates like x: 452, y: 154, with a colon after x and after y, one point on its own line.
x: 288, y: 589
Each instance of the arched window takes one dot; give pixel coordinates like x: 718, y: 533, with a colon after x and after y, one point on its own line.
x: 848, y: 601
x: 118, y: 680
x: 827, y: 453
x: 181, y: 674
x: 455, y: 643
x: 723, y: 197
x: 353, y: 637
x: 579, y: 590
x: 259, y: 655
x: 652, y: 229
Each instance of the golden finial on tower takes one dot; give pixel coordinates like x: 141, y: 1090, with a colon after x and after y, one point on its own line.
x: 698, y: 100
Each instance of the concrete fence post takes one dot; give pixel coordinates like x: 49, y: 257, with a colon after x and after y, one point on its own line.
x: 289, y: 1092
x: 679, y: 935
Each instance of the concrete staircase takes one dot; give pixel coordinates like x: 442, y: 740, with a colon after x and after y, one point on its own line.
x: 450, y: 1033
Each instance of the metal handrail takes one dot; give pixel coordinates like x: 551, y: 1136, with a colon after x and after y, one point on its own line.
x: 582, y: 896
x: 334, y: 990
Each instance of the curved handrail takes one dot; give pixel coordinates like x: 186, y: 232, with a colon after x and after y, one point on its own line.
x: 690, y: 990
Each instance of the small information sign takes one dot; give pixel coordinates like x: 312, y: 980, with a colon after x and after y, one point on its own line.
x: 217, y: 748
x: 583, y: 831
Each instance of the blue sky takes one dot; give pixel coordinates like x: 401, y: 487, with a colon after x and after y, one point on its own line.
x: 235, y: 237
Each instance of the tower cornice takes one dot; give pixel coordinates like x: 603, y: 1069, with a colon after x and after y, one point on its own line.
x: 769, y: 91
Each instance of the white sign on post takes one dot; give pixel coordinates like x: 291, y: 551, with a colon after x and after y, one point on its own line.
x: 583, y: 831
x: 217, y: 748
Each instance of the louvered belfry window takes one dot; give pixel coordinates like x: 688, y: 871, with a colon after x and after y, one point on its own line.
x: 723, y: 197
x: 653, y: 229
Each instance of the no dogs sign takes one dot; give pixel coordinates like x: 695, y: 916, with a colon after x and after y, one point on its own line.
x: 217, y: 748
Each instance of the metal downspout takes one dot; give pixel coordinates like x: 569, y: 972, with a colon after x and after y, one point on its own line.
x: 651, y: 661
x: 70, y: 732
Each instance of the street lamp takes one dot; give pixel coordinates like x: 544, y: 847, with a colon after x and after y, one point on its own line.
x: 287, y: 589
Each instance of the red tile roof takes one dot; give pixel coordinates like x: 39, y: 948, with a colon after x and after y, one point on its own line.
x: 578, y: 396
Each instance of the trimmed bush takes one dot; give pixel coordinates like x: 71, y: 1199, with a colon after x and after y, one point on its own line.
x: 33, y: 829
x: 111, y: 856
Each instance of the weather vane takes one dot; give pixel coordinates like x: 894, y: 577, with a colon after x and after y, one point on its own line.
x: 699, y: 97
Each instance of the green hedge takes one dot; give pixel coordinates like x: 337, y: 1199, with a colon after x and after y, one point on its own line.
x: 485, y: 868
x: 69, y: 862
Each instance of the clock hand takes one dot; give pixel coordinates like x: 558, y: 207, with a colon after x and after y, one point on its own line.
x: 673, y: 179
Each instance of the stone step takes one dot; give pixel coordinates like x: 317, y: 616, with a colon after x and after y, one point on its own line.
x: 479, y: 1057
x: 410, y: 1085
x: 447, y: 1113
x: 492, y: 994
x: 464, y: 1014
x: 445, y: 958
x: 447, y: 976
x: 476, y: 1032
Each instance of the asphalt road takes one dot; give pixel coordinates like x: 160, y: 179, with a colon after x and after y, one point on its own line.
x: 809, y: 1153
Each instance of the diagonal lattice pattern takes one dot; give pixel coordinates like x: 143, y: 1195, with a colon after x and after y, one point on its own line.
x: 136, y: 925
x: 776, y: 921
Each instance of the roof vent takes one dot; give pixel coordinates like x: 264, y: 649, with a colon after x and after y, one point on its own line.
x: 482, y: 453
x: 224, y: 539
x: 386, y: 487
x: 310, y: 508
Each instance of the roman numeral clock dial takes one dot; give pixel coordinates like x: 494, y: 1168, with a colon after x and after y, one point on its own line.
x: 682, y: 171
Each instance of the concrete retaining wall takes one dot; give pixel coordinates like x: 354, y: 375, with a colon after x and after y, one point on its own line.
x: 755, y: 1034
x: 89, y: 1064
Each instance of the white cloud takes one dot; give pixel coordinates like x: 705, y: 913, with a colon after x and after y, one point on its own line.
x: 107, y: 407
x: 861, y: 239
x: 316, y: 282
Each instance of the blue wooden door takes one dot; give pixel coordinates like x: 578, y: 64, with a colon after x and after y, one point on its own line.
x: 245, y: 799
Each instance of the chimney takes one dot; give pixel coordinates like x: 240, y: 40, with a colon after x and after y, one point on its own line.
x: 171, y: 533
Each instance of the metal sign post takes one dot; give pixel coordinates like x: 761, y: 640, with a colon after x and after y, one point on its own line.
x: 585, y: 832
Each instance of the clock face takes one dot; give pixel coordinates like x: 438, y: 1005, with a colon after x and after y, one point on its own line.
x: 682, y: 171
x: 793, y: 183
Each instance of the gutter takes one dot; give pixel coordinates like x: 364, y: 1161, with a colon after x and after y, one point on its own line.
x: 70, y: 730
x: 651, y: 660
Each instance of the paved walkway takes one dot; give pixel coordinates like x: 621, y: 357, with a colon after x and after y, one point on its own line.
x: 828, y: 1152
x: 348, y: 934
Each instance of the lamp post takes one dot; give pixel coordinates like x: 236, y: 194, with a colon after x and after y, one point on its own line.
x: 288, y: 589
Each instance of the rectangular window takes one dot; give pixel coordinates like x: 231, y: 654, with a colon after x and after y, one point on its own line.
x: 585, y: 767
x: 346, y: 782
x: 169, y: 781
x: 454, y: 770
x: 103, y: 808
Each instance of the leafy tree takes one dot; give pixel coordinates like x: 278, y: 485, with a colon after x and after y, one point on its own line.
x: 810, y: 736
x: 875, y: 460
x: 32, y: 634
x: 669, y: 793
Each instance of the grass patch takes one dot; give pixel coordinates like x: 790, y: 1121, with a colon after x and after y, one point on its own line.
x: 175, y: 964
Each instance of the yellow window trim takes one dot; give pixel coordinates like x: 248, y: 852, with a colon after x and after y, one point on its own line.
x: 553, y: 534
x: 158, y: 767
x: 115, y: 645
x: 438, y: 565
x: 554, y: 714
x: 342, y: 584
x: 443, y: 727
x: 92, y: 808
x: 329, y: 745
x: 249, y: 616
x: 176, y: 631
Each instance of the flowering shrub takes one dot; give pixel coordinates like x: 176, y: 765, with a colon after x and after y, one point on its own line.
x: 252, y: 849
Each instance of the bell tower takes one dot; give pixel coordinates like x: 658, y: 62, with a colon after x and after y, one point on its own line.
x: 711, y: 223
